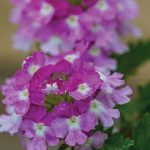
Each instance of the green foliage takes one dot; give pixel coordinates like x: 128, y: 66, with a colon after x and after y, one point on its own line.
x: 75, y: 2
x: 137, y: 55
x: 139, y: 105
x: 117, y: 142
x: 133, y: 111
x: 143, y: 101
x: 141, y: 134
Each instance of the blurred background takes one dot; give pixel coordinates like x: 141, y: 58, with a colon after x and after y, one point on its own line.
x: 10, y: 60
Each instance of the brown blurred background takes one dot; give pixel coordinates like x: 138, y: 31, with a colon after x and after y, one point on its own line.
x: 10, y: 60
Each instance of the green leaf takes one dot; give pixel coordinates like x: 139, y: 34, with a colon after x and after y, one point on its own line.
x: 138, y: 53
x: 143, y: 99
x: 140, y: 104
x: 141, y: 134
x: 133, y: 111
x: 117, y: 142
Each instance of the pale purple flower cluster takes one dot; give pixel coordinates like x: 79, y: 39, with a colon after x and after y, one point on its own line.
x: 61, y: 98
x: 58, y: 25
x: 61, y: 94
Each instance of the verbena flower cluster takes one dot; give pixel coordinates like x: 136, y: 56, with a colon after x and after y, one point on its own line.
x: 63, y: 97
x: 64, y: 92
x: 58, y: 25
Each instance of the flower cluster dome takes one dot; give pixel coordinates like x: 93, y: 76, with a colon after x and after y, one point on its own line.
x: 63, y: 97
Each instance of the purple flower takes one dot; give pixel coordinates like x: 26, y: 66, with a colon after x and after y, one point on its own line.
x: 32, y: 63
x: 73, y: 129
x: 35, y: 127
x: 112, y: 93
x: 42, y: 82
x: 17, y: 94
x: 95, y: 141
x: 104, y: 114
x: 98, y: 23
x: 62, y: 97
x: 10, y: 122
x: 84, y: 84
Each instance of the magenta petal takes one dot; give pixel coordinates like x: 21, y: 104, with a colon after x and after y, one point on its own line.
x: 51, y: 137
x: 114, y: 113
x: 71, y: 138
x: 87, y: 122
x: 36, y: 113
x: 60, y: 128
x: 80, y: 137
x: 106, y: 120
x: 121, y: 96
x: 49, y: 118
x: 37, y: 144
x: 99, y: 139
x: 22, y: 107
x: 37, y: 97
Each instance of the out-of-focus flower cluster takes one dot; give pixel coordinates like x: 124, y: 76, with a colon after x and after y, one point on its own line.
x: 62, y: 97
x: 58, y: 25
x: 64, y: 92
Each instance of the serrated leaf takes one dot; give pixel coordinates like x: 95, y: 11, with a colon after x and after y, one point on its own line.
x: 137, y: 55
x: 117, y: 142
x: 141, y: 134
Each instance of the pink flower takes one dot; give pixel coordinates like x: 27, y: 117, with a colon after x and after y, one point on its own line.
x: 98, y: 23
x: 17, y: 96
x: 11, y: 122
x: 73, y: 129
x: 95, y: 141
x: 35, y: 127
x: 112, y: 93
x: 84, y: 84
x: 32, y: 63
x: 104, y: 114
x: 62, y: 97
x: 42, y: 82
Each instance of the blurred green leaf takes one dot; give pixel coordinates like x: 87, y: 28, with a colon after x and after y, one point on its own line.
x: 141, y: 134
x: 117, y: 142
x: 133, y: 111
x: 75, y: 2
x: 143, y: 100
x: 138, y: 53
x: 140, y: 104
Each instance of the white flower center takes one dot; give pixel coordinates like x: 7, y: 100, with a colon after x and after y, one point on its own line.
x: 73, y: 122
x: 23, y: 95
x: 71, y: 57
x: 39, y: 129
x: 33, y: 68
x: 72, y: 21
x: 94, y: 51
x: 102, y: 5
x: 46, y: 9
x: 83, y: 88
x: 96, y: 107
x: 51, y: 88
